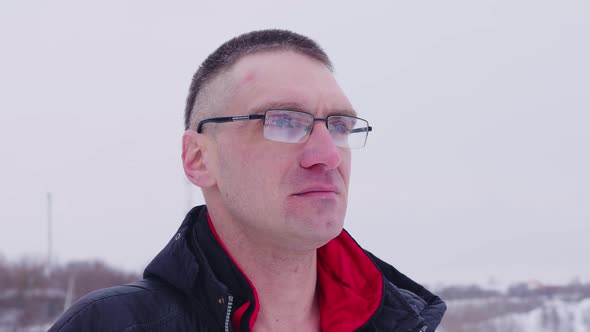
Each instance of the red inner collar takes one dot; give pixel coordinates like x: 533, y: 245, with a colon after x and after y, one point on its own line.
x: 350, y: 285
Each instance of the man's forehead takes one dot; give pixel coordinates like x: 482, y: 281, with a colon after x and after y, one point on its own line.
x: 286, y: 80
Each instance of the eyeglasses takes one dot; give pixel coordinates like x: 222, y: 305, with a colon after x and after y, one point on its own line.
x: 295, y: 127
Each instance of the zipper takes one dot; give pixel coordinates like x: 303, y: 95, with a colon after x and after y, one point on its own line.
x: 230, y: 302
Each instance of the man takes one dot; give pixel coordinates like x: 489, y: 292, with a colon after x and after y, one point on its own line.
x: 268, y: 139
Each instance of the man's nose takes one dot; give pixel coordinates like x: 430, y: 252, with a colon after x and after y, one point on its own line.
x: 320, y: 148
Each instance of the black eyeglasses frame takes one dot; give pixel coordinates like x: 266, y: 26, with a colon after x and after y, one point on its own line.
x: 224, y: 119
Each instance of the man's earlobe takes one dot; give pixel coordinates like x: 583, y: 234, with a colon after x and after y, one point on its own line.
x: 194, y: 159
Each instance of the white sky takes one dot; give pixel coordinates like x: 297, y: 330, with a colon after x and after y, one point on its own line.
x: 477, y: 168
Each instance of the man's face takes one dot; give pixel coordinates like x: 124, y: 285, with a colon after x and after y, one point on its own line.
x: 293, y: 195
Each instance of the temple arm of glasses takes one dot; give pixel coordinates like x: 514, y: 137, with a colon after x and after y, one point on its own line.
x: 360, y: 130
x: 228, y: 119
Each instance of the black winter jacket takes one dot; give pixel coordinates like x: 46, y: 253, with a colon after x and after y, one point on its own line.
x: 194, y: 285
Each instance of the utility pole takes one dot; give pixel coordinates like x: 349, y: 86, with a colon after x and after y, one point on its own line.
x: 49, y: 229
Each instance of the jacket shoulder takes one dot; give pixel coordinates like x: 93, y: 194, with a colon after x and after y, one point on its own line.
x: 402, y: 292
x: 142, y: 305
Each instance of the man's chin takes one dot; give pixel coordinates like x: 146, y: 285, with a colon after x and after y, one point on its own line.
x: 317, y: 233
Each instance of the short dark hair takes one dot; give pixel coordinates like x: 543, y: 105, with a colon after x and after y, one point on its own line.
x: 229, y: 52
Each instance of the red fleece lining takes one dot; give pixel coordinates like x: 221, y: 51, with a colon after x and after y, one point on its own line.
x: 239, y: 313
x: 351, y: 286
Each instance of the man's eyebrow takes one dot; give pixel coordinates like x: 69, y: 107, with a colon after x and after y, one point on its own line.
x: 344, y: 111
x: 279, y: 105
x: 295, y: 106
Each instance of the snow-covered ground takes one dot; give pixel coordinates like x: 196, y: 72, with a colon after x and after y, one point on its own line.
x: 551, y: 314
x: 554, y: 315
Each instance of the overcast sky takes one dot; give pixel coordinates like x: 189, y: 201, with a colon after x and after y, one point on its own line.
x: 478, y: 166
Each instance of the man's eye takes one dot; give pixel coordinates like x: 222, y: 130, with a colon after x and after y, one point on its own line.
x: 284, y: 122
x: 340, y: 128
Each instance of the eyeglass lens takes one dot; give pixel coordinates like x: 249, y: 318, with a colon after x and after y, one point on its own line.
x: 295, y: 126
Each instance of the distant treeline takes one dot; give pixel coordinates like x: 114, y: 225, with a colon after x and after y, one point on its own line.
x: 32, y: 294
x: 575, y: 290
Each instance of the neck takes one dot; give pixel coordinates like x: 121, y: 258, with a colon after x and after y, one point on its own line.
x: 286, y: 289
x: 285, y: 280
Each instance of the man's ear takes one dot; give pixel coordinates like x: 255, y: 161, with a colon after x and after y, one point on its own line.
x: 194, y: 159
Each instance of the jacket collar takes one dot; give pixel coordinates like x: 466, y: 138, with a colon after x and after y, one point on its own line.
x: 184, y: 265
x: 196, y: 263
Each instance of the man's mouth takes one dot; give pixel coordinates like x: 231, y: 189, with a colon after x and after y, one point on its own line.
x: 318, y: 191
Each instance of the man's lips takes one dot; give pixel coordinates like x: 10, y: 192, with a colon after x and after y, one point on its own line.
x: 318, y: 190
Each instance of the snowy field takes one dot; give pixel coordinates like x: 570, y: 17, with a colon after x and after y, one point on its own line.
x: 548, y: 315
